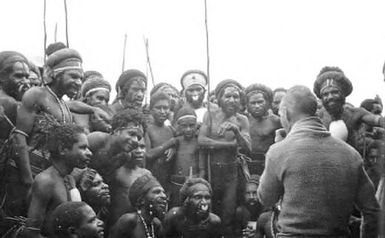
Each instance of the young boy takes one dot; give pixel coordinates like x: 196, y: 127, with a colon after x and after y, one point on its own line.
x: 160, y: 141
x: 186, y: 164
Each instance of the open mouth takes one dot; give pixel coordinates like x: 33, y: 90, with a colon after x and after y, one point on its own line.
x: 204, y: 207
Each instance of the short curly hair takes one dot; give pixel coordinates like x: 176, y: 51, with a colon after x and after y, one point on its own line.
x: 63, y: 136
x: 66, y: 215
x: 156, y: 97
x: 123, y: 118
x: 185, y: 192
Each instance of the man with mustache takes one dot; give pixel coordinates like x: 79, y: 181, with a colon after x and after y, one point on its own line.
x: 150, y: 202
x: 332, y: 87
x: 123, y: 179
x: 43, y: 107
x: 14, y: 82
x: 223, y: 131
x: 193, y: 218
x: 247, y: 214
x: 194, y: 84
x: 111, y: 149
x: 68, y: 147
x: 131, y: 88
x: 263, y: 125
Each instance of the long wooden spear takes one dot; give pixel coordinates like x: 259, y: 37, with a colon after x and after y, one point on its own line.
x: 55, y: 32
x: 66, y: 18
x: 208, y: 93
x: 124, y: 53
x: 148, y: 60
x: 45, y: 31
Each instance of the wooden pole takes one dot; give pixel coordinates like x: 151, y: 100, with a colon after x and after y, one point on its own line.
x: 148, y: 61
x: 45, y: 31
x: 55, y: 32
x: 124, y: 53
x: 66, y: 18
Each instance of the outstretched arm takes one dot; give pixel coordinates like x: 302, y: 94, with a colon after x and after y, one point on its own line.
x: 83, y: 108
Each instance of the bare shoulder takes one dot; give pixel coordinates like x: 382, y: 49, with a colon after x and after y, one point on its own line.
x: 174, y: 213
x: 214, y: 219
x: 97, y: 139
x: 128, y: 219
x: 34, y: 94
x: 44, y: 180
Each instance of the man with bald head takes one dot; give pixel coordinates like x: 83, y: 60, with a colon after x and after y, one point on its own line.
x: 318, y: 178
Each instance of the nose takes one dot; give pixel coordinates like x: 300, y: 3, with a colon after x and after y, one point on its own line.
x: 99, y: 222
x: 78, y: 82
x: 105, y: 186
x: 163, y: 195
x: 140, y: 94
x: 88, y: 152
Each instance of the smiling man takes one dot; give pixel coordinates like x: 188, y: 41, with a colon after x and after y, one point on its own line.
x: 332, y: 87
x: 149, y: 199
x: 193, y: 218
x: 76, y: 220
x: 68, y: 147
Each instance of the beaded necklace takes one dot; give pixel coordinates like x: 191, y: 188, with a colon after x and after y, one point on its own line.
x: 62, y: 105
x: 148, y: 234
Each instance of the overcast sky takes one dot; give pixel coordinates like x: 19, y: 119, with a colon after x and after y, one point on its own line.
x: 277, y: 43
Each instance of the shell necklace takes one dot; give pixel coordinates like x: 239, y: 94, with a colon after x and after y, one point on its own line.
x: 148, y: 234
x: 62, y: 105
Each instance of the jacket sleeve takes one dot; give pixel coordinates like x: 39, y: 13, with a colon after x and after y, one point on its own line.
x: 270, y: 188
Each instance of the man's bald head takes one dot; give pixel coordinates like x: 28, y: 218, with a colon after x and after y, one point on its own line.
x: 298, y: 103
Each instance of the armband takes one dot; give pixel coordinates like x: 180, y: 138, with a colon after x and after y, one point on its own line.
x: 21, y: 133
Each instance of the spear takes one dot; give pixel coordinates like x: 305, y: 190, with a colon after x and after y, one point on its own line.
x: 208, y: 94
x: 148, y: 60
x: 45, y: 31
x: 124, y: 52
x: 66, y: 18
x: 55, y: 32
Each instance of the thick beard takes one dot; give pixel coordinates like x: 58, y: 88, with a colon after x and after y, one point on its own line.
x: 337, y: 110
x: 196, y: 104
x: 11, y: 89
x: 156, y: 212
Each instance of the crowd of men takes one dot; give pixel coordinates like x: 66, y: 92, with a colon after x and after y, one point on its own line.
x: 249, y: 162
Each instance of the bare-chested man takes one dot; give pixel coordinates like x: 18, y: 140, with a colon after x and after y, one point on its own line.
x: 14, y: 82
x: 223, y: 131
x: 95, y: 91
x: 193, y: 218
x: 111, y: 150
x: 43, y: 107
x: 332, y: 87
x: 122, y: 180
x: 68, y: 148
x: 263, y: 124
x: 149, y: 200
x: 131, y: 88
x: 160, y: 141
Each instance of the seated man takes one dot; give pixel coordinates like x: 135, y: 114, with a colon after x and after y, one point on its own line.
x: 149, y: 200
x: 193, y: 218
x: 246, y: 215
x: 68, y: 147
x: 75, y: 220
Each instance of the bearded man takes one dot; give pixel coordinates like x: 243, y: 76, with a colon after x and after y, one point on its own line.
x: 222, y: 132
x: 122, y: 180
x: 263, y: 125
x: 131, y: 88
x: 149, y: 199
x: 194, y: 84
x: 43, y: 107
x: 332, y: 87
x: 193, y: 218
x: 111, y: 149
